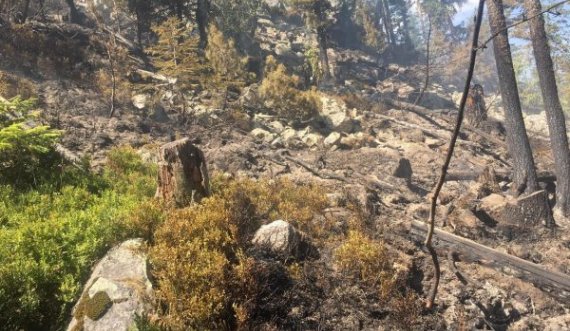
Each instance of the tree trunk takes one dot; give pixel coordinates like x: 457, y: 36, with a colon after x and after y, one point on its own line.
x: 322, y: 39
x: 554, y: 112
x: 25, y: 11
x: 202, y: 18
x: 426, y: 81
x: 388, y: 22
x: 182, y: 173
x: 524, y: 173
x: 74, y: 14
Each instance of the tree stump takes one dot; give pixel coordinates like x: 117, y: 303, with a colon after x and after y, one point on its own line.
x: 182, y: 173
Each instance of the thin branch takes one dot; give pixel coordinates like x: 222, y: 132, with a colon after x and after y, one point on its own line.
x: 445, y: 167
x: 524, y: 19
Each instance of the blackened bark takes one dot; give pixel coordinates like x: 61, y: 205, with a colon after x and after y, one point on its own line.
x: 524, y: 173
x: 322, y: 36
x: 74, y: 14
x: 25, y: 11
x: 389, y: 27
x: 202, y: 18
x: 554, y: 112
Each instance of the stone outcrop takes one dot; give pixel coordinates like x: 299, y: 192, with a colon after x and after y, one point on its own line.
x: 118, y: 290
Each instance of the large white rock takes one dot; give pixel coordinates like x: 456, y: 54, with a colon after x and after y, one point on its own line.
x: 282, y: 239
x: 121, y: 278
x: 337, y: 115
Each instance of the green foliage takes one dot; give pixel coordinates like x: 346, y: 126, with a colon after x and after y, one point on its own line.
x: 25, y: 149
x: 282, y: 92
x: 198, y: 259
x: 52, y: 236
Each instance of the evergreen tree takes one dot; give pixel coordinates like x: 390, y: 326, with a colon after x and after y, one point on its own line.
x: 23, y: 147
x: 177, y: 53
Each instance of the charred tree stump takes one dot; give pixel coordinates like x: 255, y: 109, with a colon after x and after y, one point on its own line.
x: 182, y: 173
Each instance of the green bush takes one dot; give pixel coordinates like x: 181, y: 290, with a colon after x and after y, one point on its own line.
x: 26, y: 150
x: 52, y: 237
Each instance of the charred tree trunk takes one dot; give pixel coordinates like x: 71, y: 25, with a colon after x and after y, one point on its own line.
x: 324, y: 57
x: 426, y: 81
x: 74, y: 14
x: 388, y: 22
x: 524, y: 173
x: 25, y: 11
x: 554, y: 112
x: 182, y: 173
x: 202, y: 18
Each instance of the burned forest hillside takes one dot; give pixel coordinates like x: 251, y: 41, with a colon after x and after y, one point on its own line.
x: 284, y: 165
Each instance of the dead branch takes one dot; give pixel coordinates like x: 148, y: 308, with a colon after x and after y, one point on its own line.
x: 312, y: 170
x: 524, y: 19
x: 445, y: 167
x: 159, y: 77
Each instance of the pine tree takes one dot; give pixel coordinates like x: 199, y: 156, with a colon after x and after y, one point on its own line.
x: 22, y: 145
x: 177, y: 53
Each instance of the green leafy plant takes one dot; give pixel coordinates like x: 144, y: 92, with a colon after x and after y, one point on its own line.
x: 52, y: 235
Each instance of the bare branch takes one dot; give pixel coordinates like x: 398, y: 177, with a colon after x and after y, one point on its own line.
x: 445, y: 167
x: 524, y: 19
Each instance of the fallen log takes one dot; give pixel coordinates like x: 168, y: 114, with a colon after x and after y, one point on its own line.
x: 554, y: 283
x: 431, y: 132
x: 457, y: 176
x: 426, y: 113
x: 159, y: 77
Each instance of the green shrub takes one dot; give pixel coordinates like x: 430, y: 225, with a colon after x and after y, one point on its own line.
x: 282, y: 92
x: 52, y: 237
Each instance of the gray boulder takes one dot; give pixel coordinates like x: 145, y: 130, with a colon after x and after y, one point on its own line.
x: 281, y: 239
x: 118, y: 290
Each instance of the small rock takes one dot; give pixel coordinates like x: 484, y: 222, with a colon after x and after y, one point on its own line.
x: 332, y: 139
x: 140, y: 100
x: 312, y: 139
x: 264, y: 135
x: 403, y: 169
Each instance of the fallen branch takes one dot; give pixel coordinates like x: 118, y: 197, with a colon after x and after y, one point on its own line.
x: 313, y: 171
x: 159, y: 77
x: 427, y: 131
x: 445, y: 167
x: 554, y: 283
